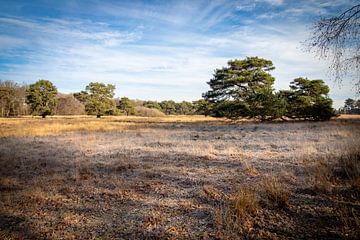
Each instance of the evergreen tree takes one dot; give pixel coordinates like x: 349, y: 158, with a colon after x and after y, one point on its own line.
x: 168, y: 107
x: 244, y: 89
x: 202, y: 107
x: 308, y: 99
x: 41, y: 96
x: 126, y: 106
x: 184, y: 108
x: 98, y: 99
x: 152, y: 104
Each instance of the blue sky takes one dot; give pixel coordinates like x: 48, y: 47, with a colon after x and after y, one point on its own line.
x: 159, y: 49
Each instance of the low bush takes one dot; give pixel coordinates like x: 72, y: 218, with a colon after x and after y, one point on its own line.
x: 148, y: 112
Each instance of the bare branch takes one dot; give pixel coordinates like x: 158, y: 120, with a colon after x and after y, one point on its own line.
x: 338, y: 39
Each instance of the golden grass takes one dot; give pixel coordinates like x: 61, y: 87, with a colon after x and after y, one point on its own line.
x: 36, y: 126
x: 52, y: 125
x: 245, y: 203
x: 276, y: 192
x: 349, y: 116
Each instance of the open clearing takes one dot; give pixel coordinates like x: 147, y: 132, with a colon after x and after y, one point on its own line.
x: 175, y: 178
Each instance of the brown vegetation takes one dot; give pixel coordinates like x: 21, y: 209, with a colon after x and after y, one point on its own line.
x: 148, y: 112
x: 68, y: 105
x: 178, y: 178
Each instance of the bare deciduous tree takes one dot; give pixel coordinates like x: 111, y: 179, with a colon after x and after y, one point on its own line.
x: 338, y: 39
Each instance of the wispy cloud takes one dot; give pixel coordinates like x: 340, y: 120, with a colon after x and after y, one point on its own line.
x: 154, y: 51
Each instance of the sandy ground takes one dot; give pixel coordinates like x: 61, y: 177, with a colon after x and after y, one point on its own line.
x: 169, y: 180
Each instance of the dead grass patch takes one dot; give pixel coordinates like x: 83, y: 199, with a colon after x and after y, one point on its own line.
x: 251, y: 170
x: 174, y: 178
x: 326, y: 173
x: 211, y: 193
x: 245, y: 203
x: 348, y: 168
x: 23, y: 127
x: 350, y: 221
x: 276, y: 193
x: 235, y: 216
x: 84, y: 173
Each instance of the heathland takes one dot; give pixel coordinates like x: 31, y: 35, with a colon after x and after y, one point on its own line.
x: 178, y: 178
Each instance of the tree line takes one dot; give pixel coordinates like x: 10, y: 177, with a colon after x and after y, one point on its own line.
x: 243, y: 89
x: 43, y: 99
x: 351, y: 106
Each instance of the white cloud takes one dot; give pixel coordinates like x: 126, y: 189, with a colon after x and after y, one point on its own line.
x: 168, y: 62
x: 69, y: 31
x: 9, y: 42
x: 272, y: 2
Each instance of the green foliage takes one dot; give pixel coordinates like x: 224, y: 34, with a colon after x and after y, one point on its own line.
x: 125, y: 105
x: 240, y: 80
x: 184, y: 108
x: 266, y: 105
x: 168, y: 107
x: 308, y: 99
x: 351, y: 106
x: 7, y: 99
x: 41, y: 96
x: 98, y: 99
x: 152, y: 104
x: 81, y: 96
x: 202, y: 107
x: 244, y: 89
x: 232, y: 109
x: 349, y: 103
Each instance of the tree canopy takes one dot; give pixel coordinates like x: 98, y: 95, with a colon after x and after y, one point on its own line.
x: 152, y: 104
x: 126, y: 106
x: 168, y: 107
x: 98, y: 99
x: 351, y: 106
x: 41, y: 96
x: 240, y: 80
x: 244, y: 89
x: 308, y: 99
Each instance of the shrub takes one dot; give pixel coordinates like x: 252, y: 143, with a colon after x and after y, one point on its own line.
x: 148, y: 112
x: 69, y: 105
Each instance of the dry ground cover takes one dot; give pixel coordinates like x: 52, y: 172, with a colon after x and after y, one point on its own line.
x: 178, y: 178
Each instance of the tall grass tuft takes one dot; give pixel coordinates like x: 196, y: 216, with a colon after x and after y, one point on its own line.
x: 276, y: 193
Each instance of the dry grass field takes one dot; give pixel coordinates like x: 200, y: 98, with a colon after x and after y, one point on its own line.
x: 178, y: 178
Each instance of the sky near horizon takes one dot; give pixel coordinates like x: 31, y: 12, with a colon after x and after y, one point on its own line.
x: 157, y: 50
